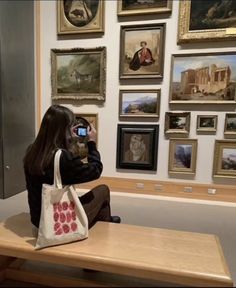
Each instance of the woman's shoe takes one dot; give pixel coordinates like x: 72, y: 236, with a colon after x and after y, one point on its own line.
x: 115, y: 219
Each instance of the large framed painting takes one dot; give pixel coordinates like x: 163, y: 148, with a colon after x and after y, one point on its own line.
x: 139, y: 104
x: 207, y: 123
x: 230, y: 125
x: 137, y: 7
x: 225, y: 159
x: 80, y: 16
x: 78, y: 74
x: 141, y: 51
x: 80, y: 146
x: 137, y: 146
x: 203, y: 78
x: 182, y: 156
x: 206, y: 20
x: 177, y: 123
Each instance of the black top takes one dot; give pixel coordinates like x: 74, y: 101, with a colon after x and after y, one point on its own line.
x: 73, y: 171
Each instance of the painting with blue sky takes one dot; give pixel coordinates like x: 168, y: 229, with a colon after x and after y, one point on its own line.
x: 204, y: 78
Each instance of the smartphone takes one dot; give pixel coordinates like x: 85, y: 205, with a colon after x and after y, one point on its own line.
x: 81, y: 131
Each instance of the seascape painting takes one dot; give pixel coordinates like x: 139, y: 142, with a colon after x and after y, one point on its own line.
x: 139, y: 103
x: 203, y: 78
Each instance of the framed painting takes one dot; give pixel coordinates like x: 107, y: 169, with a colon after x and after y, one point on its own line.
x: 206, y: 20
x: 141, y: 51
x: 80, y: 16
x: 137, y: 7
x: 203, y: 78
x: 182, y: 156
x: 207, y: 123
x: 177, y: 123
x: 137, y: 146
x: 80, y: 146
x: 230, y: 124
x: 78, y: 74
x: 225, y: 159
x: 139, y: 104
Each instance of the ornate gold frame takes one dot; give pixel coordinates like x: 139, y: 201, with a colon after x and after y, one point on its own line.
x: 79, y: 96
x: 175, y: 170
x: 145, y: 11
x: 217, y: 169
x: 185, y: 35
x: 95, y: 26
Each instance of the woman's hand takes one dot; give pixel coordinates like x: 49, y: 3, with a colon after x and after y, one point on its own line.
x: 92, y: 133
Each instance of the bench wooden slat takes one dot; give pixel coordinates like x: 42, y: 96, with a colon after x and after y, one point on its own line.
x: 159, y: 254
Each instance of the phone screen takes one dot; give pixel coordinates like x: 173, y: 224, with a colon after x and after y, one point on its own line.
x: 82, y: 131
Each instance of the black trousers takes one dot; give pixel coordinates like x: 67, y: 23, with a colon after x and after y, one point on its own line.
x: 96, y: 204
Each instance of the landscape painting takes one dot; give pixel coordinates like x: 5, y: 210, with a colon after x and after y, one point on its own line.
x: 206, y: 20
x: 206, y: 123
x: 225, y: 159
x: 203, y: 78
x: 143, y: 7
x: 139, y: 103
x: 78, y: 74
x: 177, y: 122
x: 230, y: 124
x: 141, y: 52
x: 182, y: 156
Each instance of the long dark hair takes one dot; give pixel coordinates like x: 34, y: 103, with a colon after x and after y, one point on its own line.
x: 54, y: 133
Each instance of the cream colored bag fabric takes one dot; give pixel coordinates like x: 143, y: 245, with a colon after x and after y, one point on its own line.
x: 63, y: 219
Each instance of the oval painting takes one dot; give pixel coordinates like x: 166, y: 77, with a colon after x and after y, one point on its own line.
x: 80, y: 12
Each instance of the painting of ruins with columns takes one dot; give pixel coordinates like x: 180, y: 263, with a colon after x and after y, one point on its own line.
x: 203, y: 78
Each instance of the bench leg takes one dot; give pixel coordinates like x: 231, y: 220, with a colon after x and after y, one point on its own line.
x: 5, y: 262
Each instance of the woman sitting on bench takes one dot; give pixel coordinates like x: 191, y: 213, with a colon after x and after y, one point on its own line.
x: 57, y: 132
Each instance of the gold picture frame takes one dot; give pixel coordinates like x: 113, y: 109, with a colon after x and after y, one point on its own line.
x: 139, y: 104
x: 199, y: 27
x: 230, y: 125
x: 177, y: 123
x: 207, y: 123
x: 203, y: 78
x: 78, y: 74
x: 224, y: 164
x: 81, y: 17
x: 143, y: 9
x: 142, y: 51
x: 182, y: 156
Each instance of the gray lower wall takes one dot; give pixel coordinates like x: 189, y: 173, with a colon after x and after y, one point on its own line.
x: 195, y: 216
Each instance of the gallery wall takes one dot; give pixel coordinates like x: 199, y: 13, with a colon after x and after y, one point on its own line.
x: 108, y: 116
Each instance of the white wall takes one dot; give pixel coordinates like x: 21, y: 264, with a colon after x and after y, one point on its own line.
x: 108, y: 113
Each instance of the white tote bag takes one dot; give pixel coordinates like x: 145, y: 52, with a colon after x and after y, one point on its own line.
x: 63, y: 219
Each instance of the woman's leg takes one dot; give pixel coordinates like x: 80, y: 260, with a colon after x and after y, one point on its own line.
x: 96, y: 204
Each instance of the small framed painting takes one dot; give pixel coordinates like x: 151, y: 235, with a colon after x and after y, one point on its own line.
x: 225, y: 159
x: 78, y: 74
x: 137, y: 146
x: 139, y: 104
x: 204, y: 78
x: 142, y: 51
x: 137, y: 7
x: 206, y: 20
x: 230, y: 124
x: 177, y: 123
x: 182, y: 156
x: 207, y: 123
x: 80, y: 16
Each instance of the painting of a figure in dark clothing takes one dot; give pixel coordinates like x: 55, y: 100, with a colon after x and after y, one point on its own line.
x: 142, y: 51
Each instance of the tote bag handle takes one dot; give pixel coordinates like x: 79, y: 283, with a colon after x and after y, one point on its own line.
x: 57, y: 174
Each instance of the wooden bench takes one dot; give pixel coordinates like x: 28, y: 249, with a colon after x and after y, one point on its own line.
x: 184, y: 258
